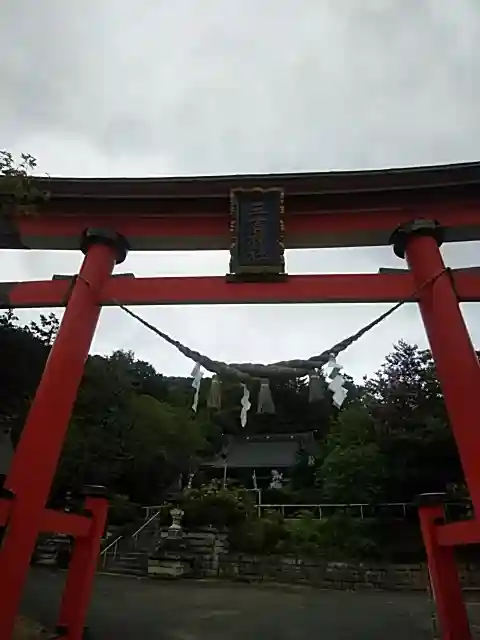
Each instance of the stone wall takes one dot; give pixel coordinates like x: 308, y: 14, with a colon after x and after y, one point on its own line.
x: 323, y: 574
x: 334, y: 575
x: 208, y: 551
x: 202, y: 554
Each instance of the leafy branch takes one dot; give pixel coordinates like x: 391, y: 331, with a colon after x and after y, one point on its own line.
x: 18, y: 192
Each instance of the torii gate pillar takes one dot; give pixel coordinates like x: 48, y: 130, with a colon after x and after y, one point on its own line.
x: 35, y: 461
x: 458, y: 371
x: 455, y: 358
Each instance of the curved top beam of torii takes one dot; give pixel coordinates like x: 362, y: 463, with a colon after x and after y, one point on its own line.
x: 332, y: 209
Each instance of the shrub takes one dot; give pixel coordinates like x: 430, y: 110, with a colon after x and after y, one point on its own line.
x: 267, y: 534
x: 122, y: 512
x: 335, y: 538
x: 216, y: 505
x: 339, y: 536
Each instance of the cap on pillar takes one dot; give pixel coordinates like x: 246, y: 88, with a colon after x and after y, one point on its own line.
x: 105, y: 237
x: 419, y: 227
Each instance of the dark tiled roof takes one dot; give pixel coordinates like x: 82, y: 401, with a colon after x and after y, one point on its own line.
x: 262, y: 451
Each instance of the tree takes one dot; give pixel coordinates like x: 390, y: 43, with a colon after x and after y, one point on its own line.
x: 18, y: 193
x: 405, y: 389
x: 47, y: 329
x: 394, y: 441
x: 162, y: 443
x: 8, y: 319
x: 352, y: 467
x: 411, y: 422
x: 23, y: 360
x: 124, y: 438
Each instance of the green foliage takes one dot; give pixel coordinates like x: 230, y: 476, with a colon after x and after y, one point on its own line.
x: 122, y: 511
x: 46, y: 330
x: 353, y: 475
x: 216, y: 505
x: 353, y: 468
x: 337, y: 537
x: 264, y: 535
x: 131, y: 441
x: 406, y: 404
x: 18, y: 193
x: 394, y: 441
x: 24, y: 358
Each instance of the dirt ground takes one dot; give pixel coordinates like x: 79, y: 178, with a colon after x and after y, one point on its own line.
x: 125, y: 608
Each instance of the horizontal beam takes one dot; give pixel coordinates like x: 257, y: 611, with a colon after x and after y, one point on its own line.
x: 458, y: 533
x: 298, y: 289
x: 148, y: 227
x: 72, y: 524
x: 53, y: 521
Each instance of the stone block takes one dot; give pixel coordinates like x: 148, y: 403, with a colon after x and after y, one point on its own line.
x: 168, y: 568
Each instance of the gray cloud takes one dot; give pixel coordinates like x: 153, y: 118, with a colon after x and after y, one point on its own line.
x: 211, y: 86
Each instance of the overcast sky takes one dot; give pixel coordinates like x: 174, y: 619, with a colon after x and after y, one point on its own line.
x: 155, y: 88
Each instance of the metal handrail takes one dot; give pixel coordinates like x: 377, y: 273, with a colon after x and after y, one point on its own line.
x: 134, y: 536
x: 109, y: 546
x: 320, y: 508
x: 150, y: 508
x: 145, y: 524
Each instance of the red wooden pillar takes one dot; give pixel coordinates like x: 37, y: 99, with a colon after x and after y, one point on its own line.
x: 82, y: 568
x: 35, y: 461
x: 444, y: 579
x: 455, y: 358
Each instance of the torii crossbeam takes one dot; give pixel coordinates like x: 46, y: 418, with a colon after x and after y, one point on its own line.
x: 329, y: 288
x: 256, y: 217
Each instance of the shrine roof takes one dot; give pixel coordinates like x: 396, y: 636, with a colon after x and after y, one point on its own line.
x: 267, y: 451
x: 330, y: 182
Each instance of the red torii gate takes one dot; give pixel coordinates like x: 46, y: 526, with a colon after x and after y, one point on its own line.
x: 413, y: 209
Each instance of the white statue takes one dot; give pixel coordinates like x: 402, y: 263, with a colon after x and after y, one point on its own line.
x: 277, y: 480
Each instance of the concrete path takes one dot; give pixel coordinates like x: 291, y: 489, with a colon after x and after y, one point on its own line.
x: 127, y: 608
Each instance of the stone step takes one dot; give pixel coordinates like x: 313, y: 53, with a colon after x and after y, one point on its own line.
x: 131, y: 555
x: 126, y: 562
x: 133, y: 564
x: 124, y: 571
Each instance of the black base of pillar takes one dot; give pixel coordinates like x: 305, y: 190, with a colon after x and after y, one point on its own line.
x: 421, y: 227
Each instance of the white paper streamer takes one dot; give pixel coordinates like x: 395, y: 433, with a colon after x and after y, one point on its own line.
x: 246, y: 404
x: 336, y: 382
x: 197, y: 375
x: 338, y: 390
